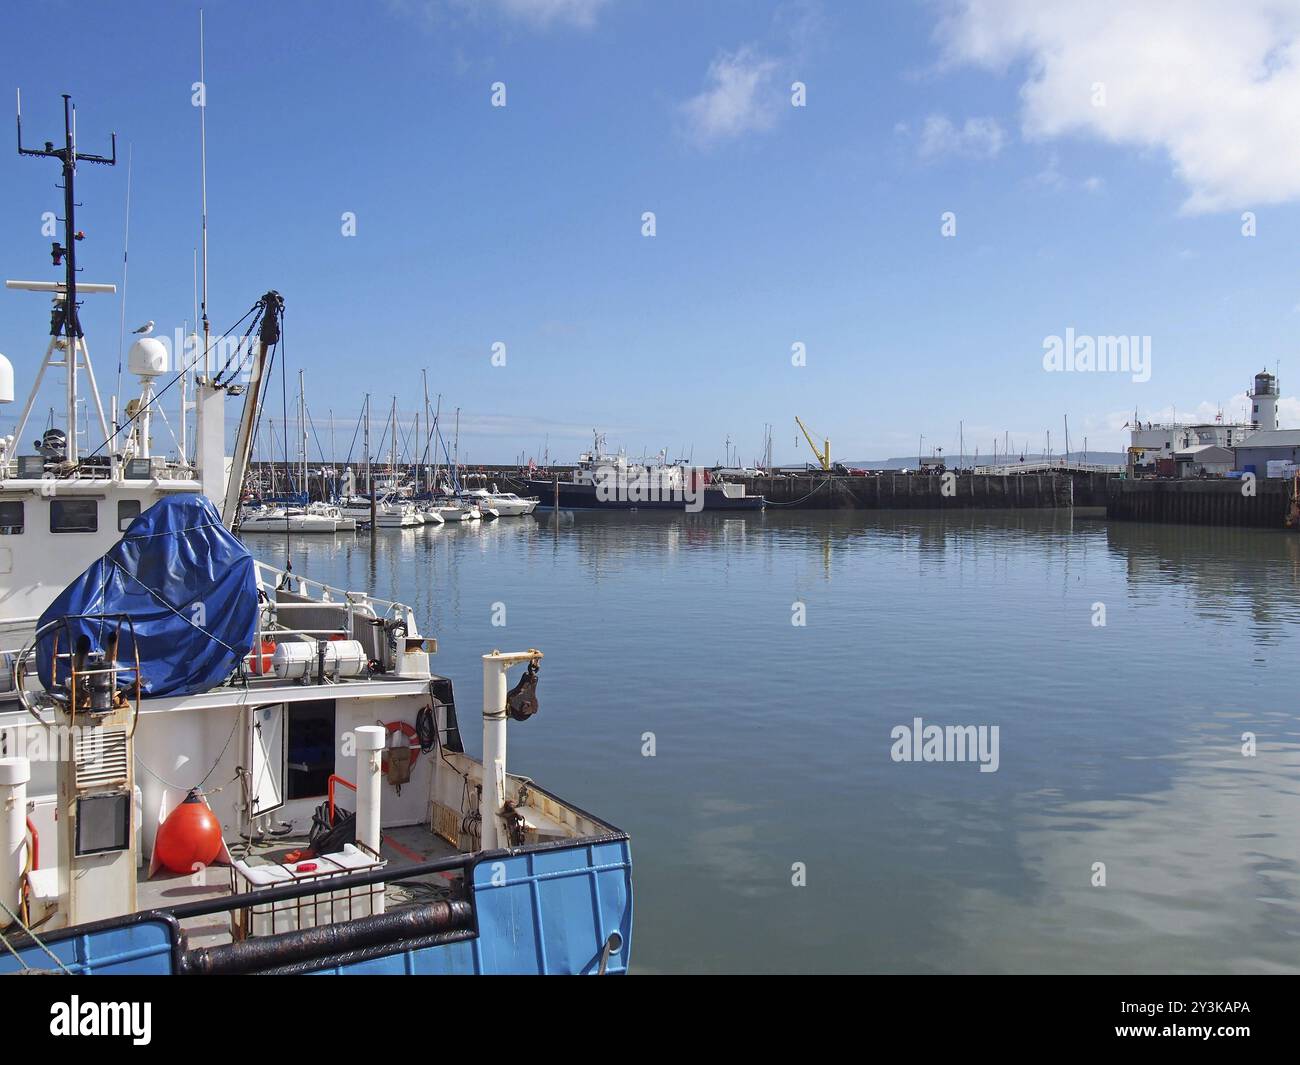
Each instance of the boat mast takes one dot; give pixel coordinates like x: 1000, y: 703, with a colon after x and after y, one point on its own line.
x: 126, y: 246
x: 365, y: 441
x: 437, y: 439
x: 203, y: 185
x: 66, y: 320
x: 272, y: 311
x: 302, y: 430
x: 370, y: 481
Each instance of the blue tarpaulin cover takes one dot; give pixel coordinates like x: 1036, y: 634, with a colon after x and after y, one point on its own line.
x: 188, y: 586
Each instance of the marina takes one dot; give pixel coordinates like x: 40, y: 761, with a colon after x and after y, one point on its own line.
x: 579, y: 488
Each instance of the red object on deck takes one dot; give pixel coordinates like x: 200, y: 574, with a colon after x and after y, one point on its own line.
x: 190, y: 837
x: 262, y: 662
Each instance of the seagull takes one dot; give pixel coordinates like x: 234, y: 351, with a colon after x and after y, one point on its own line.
x: 145, y: 329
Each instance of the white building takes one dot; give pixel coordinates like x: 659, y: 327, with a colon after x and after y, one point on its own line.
x: 1150, y: 442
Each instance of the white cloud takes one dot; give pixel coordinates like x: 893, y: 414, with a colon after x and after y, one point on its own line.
x: 543, y: 14
x: 1235, y: 409
x: 1216, y: 86
x: 976, y: 138
x: 580, y: 13
x: 741, y: 97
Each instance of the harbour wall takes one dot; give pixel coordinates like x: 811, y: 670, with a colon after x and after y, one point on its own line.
x: 915, y: 491
x: 1201, y: 502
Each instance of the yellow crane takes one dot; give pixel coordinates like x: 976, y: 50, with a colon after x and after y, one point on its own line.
x: 824, y: 453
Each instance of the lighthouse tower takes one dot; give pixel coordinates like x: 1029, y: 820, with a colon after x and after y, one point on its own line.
x: 1263, y: 401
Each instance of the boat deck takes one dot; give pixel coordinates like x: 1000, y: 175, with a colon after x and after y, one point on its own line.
x: 402, y: 847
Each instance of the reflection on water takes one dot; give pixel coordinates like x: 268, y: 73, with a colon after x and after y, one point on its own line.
x: 1120, y: 744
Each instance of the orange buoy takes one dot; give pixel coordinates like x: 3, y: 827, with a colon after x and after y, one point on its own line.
x: 191, y: 836
x: 262, y: 662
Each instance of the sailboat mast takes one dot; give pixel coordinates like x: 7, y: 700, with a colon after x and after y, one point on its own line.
x: 437, y: 423
x: 302, y: 430
x: 428, y: 431
x: 370, y: 480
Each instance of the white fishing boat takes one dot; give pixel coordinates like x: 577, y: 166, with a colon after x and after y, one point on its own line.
x: 192, y: 777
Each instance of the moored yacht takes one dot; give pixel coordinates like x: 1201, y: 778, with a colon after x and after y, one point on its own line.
x: 502, y: 504
x: 314, y: 518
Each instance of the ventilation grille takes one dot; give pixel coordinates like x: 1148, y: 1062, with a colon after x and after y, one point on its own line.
x: 100, y: 755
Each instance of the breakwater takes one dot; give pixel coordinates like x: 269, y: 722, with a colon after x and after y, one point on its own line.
x: 1263, y: 504
x: 915, y: 491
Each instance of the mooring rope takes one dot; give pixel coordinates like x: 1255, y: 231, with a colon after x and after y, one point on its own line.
x: 801, y: 499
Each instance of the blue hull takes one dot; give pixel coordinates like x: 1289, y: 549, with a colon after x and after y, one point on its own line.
x: 544, y: 909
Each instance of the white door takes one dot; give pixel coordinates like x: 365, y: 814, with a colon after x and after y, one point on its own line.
x: 266, y: 758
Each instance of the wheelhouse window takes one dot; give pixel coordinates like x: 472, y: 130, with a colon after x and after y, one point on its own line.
x: 127, y: 511
x: 74, y: 515
x: 11, y: 517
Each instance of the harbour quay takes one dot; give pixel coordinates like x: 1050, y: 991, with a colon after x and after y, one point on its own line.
x: 914, y: 491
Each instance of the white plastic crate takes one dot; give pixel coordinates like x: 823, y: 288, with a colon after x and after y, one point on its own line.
x: 311, y: 910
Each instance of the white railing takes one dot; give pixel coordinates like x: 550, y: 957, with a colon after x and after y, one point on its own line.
x: 355, y: 605
x: 1048, y: 466
x: 269, y: 578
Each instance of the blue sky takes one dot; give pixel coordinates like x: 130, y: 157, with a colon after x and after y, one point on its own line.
x: 775, y: 224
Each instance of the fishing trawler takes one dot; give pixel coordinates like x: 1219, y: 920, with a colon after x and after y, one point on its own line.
x: 604, y: 481
x: 210, y: 765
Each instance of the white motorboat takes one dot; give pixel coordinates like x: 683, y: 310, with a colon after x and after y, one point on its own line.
x: 397, y: 516
x: 287, y: 519
x: 505, y: 504
x: 388, y: 514
x: 454, y: 510
x: 342, y: 522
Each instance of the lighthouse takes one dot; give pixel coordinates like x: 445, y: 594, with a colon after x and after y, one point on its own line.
x: 1263, y: 401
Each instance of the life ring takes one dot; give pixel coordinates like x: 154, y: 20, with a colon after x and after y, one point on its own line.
x: 413, y: 741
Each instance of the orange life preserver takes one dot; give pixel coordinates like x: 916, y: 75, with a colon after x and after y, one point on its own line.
x: 412, y: 736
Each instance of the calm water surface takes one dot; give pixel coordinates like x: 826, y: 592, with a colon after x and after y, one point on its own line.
x: 1119, y: 744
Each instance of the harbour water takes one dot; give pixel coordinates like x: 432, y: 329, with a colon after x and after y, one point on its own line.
x: 1119, y: 744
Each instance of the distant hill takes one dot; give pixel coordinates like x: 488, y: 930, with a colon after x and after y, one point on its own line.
x: 1113, y: 458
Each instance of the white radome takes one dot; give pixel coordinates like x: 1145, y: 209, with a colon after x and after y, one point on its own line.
x: 148, y: 358
x: 6, y: 380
